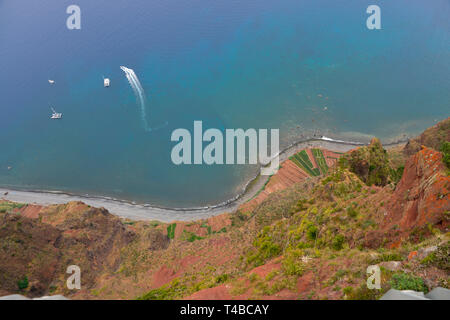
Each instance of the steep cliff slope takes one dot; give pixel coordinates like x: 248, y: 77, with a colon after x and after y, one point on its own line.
x: 310, y: 233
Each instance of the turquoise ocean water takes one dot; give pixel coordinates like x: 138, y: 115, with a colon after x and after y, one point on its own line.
x: 296, y: 65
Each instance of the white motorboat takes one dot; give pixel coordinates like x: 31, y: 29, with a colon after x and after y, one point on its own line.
x: 106, y: 82
x: 56, y: 115
x: 51, y: 81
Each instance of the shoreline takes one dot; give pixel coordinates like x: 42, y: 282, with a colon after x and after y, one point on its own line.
x: 133, y: 211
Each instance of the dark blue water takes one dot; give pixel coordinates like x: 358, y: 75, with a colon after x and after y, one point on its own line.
x: 296, y: 65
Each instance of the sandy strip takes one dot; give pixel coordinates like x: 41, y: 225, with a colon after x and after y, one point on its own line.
x: 133, y: 211
x: 120, y: 208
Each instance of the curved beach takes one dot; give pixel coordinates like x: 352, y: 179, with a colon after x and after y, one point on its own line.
x: 133, y: 211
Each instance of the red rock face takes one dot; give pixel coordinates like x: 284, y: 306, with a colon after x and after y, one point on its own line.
x: 31, y: 211
x: 421, y: 196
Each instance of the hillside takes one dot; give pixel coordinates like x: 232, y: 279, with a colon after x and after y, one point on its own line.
x: 39, y: 243
x: 433, y: 138
x: 310, y: 233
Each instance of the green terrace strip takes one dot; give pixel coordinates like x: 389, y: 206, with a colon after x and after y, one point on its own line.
x: 302, y: 160
x: 320, y: 160
x: 303, y: 155
x: 171, y: 230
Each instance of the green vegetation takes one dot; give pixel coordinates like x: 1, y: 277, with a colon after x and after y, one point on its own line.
x: 445, y: 149
x: 363, y: 293
x: 23, y: 283
x: 208, y: 228
x: 265, y: 248
x: 223, y: 230
x: 338, y: 242
x: 153, y: 224
x: 210, y: 231
x: 292, y: 264
x: 439, y: 258
x: 190, y: 236
x: 370, y: 164
x: 320, y: 160
x: 403, y: 281
x: 304, y: 156
x: 302, y: 160
x: 335, y: 176
x: 8, y: 207
x: 171, y: 230
x: 312, y: 232
x: 396, y: 174
x: 347, y: 290
x: 391, y: 256
x: 166, y: 292
x: 222, y: 278
x: 352, y: 212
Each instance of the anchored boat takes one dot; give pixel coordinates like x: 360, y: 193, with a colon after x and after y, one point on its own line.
x: 56, y: 115
x: 106, y: 82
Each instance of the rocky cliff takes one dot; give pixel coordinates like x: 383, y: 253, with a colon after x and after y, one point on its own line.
x: 39, y: 243
x: 309, y: 234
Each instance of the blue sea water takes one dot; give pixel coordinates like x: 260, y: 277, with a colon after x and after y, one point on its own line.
x: 296, y: 65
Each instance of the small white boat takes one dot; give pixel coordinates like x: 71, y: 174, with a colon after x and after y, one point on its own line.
x: 106, y: 82
x: 56, y: 115
x: 51, y: 81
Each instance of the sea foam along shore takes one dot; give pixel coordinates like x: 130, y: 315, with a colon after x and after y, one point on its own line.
x: 133, y: 211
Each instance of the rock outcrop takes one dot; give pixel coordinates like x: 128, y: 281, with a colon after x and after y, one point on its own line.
x: 421, y: 197
x: 432, y: 138
x: 370, y: 163
x: 419, y: 203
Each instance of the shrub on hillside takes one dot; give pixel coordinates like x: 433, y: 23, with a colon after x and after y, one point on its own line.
x: 312, y: 232
x: 439, y: 258
x: 445, y: 149
x: 23, y: 283
x: 338, y: 242
x: 403, y: 281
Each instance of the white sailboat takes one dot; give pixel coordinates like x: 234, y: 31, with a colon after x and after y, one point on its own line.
x: 56, y: 115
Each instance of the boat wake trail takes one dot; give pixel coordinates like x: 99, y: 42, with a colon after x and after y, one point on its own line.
x: 158, y: 127
x: 139, y: 92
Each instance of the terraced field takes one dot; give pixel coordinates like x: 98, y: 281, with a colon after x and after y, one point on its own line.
x: 320, y: 160
x: 302, y: 160
x: 305, y: 163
